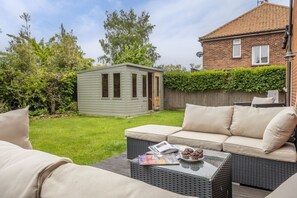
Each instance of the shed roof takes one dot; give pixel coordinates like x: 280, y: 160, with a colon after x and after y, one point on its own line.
x: 266, y: 17
x: 122, y: 65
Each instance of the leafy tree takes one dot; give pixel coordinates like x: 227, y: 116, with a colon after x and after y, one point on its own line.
x: 65, y: 54
x: 135, y: 54
x: 39, y: 73
x: 19, y: 53
x: 172, y: 68
x: 127, y: 37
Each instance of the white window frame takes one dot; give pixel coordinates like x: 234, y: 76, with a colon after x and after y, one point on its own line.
x: 236, y: 42
x: 260, y: 55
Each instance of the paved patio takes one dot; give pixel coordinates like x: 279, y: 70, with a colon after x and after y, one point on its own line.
x: 120, y: 164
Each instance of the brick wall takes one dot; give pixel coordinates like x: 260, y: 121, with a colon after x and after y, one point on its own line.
x: 294, y: 50
x: 218, y: 54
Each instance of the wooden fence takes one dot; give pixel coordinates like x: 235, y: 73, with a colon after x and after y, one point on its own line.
x: 177, y: 100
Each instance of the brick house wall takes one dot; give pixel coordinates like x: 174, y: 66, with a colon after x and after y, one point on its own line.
x: 294, y: 50
x: 218, y: 54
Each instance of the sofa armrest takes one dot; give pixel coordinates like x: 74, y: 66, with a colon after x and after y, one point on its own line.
x: 287, y: 189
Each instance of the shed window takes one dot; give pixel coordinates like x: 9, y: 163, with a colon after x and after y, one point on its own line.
x: 144, y: 86
x: 104, y: 85
x: 117, y: 85
x: 158, y: 86
x: 236, y: 48
x: 260, y: 55
x: 134, y: 85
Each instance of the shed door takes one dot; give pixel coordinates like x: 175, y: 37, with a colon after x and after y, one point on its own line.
x: 157, y: 91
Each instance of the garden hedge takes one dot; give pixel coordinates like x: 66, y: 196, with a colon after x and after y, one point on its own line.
x: 260, y: 79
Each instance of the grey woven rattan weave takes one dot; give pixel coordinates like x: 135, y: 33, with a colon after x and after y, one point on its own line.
x: 137, y: 147
x: 247, y: 170
x: 219, y: 185
x: 260, y: 172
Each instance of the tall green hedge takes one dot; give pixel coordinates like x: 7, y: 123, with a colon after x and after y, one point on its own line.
x: 260, y: 79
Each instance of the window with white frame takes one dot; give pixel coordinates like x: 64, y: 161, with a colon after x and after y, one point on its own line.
x: 260, y: 55
x: 236, y: 48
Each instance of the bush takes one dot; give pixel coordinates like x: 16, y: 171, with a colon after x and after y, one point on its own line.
x: 44, y: 91
x: 260, y: 79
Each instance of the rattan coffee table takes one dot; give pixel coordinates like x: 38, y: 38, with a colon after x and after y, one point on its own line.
x: 211, y: 177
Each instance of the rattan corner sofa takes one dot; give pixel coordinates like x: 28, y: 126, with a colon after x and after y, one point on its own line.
x: 239, y: 130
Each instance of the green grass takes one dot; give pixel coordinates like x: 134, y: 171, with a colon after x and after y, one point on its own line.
x: 87, y: 140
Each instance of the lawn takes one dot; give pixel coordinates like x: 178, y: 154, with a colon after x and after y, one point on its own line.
x: 88, y: 140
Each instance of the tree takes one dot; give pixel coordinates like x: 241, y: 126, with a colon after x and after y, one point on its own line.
x: 127, y: 37
x: 20, y: 53
x: 65, y: 54
x: 40, y: 73
x: 172, y: 68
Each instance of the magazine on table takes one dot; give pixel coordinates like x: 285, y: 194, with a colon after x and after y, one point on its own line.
x: 163, y: 148
x: 158, y: 159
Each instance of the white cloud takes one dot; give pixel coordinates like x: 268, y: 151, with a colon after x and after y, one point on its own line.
x: 89, y: 29
x: 179, y: 23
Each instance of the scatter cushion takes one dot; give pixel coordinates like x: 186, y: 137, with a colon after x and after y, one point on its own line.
x: 279, y: 129
x: 151, y: 132
x: 14, y: 127
x: 258, y: 100
x: 198, y: 140
x: 208, y: 119
x: 250, y: 121
x: 253, y: 147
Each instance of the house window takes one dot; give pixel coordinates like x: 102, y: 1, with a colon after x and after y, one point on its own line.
x: 134, y: 85
x: 104, y: 85
x: 116, y: 85
x: 236, y: 48
x: 144, y: 86
x: 260, y: 55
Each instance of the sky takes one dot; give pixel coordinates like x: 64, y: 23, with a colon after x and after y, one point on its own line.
x: 178, y: 23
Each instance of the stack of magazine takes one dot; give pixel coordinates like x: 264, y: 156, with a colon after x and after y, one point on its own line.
x: 161, y: 154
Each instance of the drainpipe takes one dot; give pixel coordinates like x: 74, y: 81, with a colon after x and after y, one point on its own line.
x: 289, y: 56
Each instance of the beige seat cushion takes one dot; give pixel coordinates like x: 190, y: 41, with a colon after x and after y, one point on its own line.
x: 286, y: 189
x: 279, y: 130
x: 253, y: 147
x: 14, y: 127
x: 251, y: 121
x: 198, y: 139
x: 208, y: 119
x: 151, y: 132
x: 257, y: 100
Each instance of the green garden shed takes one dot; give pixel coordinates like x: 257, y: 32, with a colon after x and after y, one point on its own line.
x: 120, y: 90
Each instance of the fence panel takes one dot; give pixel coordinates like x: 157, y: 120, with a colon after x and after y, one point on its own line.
x: 177, y: 100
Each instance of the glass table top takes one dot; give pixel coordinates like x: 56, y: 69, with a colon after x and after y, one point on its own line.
x: 206, y: 168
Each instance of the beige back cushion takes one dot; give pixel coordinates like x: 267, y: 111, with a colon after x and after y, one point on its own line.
x: 257, y: 100
x: 208, y: 119
x: 251, y: 121
x: 14, y: 127
x: 279, y: 130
